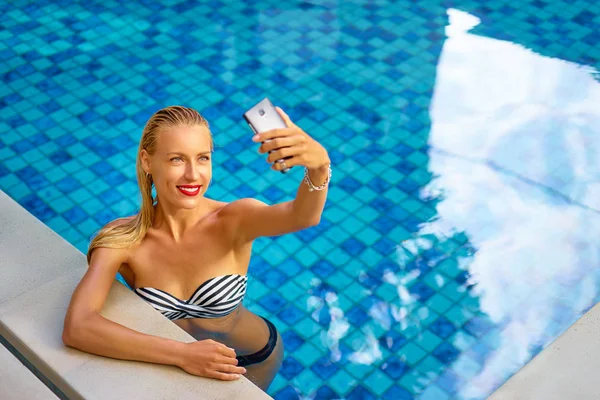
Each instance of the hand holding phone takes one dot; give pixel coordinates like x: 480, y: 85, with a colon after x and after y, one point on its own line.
x: 264, y: 117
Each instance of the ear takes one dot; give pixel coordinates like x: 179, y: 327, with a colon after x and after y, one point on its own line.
x: 145, y: 159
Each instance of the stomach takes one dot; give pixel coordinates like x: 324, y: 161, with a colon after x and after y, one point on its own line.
x: 241, y: 330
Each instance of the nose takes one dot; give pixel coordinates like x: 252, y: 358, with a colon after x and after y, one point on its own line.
x: 192, y: 172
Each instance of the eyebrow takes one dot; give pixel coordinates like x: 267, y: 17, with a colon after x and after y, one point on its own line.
x: 182, y: 154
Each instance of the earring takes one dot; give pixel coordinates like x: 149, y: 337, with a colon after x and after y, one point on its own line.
x: 147, y: 175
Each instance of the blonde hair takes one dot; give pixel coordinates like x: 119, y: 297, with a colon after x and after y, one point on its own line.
x: 132, y: 231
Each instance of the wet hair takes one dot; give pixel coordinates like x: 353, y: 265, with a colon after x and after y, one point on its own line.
x: 132, y: 231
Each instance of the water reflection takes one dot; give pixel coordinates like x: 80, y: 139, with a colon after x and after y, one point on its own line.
x: 514, y: 151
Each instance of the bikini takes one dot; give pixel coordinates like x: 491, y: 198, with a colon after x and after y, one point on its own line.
x: 217, y: 297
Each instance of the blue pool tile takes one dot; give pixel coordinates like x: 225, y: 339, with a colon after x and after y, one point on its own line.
x: 442, y: 327
x: 466, y: 367
x: 449, y: 381
x: 385, y: 246
x: 290, y: 367
x: 287, y: 393
x: 360, y: 393
x: 353, y: 246
x: 22, y: 146
x: 272, y: 302
x: 110, y: 196
x: 324, y: 368
x: 291, y: 315
x: 37, y: 207
x: 75, y: 215
x: 422, y: 291
x: 3, y: 171
x: 392, y: 341
x: 433, y: 392
x: 478, y: 326
x: 323, y: 316
x: 57, y: 223
x: 342, y: 382
x: 397, y: 393
x: 326, y: 393
x: 101, y: 167
x: 105, y: 216
x: 67, y: 184
x: 357, y: 316
x: 292, y: 340
x: 480, y: 352
x: 446, y: 353
x: 394, y: 367
x: 323, y: 269
x: 273, y: 278
x: 307, y: 355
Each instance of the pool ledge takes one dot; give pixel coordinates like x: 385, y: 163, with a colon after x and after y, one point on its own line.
x: 566, y: 369
x: 39, y: 273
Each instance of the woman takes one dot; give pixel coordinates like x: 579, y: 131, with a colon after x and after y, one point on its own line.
x: 188, y: 255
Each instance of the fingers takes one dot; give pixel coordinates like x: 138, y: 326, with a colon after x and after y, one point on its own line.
x: 225, y: 377
x: 285, y: 117
x: 228, y: 352
x: 284, y: 152
x: 227, y: 366
x: 290, y: 162
x: 231, y: 369
x: 228, y: 360
x: 273, y: 144
x: 273, y: 133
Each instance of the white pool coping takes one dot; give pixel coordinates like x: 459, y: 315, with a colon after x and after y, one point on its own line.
x: 567, y: 369
x: 39, y: 272
x: 19, y: 383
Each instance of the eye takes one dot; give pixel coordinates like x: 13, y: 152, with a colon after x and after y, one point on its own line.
x: 176, y: 158
x: 205, y: 157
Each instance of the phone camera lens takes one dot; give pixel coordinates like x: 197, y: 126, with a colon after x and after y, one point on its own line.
x: 261, y: 112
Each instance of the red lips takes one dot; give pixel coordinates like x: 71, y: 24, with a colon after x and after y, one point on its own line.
x: 189, y: 192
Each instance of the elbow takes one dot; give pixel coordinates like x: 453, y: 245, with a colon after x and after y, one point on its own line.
x: 308, y: 223
x: 67, y: 336
x: 72, y: 330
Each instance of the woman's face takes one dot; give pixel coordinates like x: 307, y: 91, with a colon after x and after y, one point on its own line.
x: 182, y: 159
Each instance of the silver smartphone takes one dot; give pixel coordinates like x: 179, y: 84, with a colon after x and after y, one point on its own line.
x: 264, y: 117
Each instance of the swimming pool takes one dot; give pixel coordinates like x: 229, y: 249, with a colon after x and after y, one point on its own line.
x: 458, y: 237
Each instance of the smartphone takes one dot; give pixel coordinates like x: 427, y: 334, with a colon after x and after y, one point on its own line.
x: 264, y: 117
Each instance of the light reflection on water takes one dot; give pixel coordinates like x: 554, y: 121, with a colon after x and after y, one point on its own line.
x: 515, y: 153
x: 514, y: 147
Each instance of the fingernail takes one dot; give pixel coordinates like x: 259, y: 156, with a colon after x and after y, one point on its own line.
x: 255, y: 138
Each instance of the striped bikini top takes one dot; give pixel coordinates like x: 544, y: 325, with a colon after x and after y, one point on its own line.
x: 214, y: 298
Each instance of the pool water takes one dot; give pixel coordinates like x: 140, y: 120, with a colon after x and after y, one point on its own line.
x: 458, y: 239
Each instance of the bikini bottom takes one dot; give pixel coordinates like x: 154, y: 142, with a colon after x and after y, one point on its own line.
x: 264, y: 353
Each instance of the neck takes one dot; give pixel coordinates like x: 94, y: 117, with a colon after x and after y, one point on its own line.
x: 176, y: 221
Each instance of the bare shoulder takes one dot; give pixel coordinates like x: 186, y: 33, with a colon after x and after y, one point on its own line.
x: 113, y: 253
x: 233, y: 214
x: 243, y: 205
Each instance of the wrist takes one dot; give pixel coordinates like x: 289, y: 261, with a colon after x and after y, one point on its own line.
x: 323, y: 168
x: 179, y: 351
x: 317, y: 178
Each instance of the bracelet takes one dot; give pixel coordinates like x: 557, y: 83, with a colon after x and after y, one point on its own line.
x: 311, y: 185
